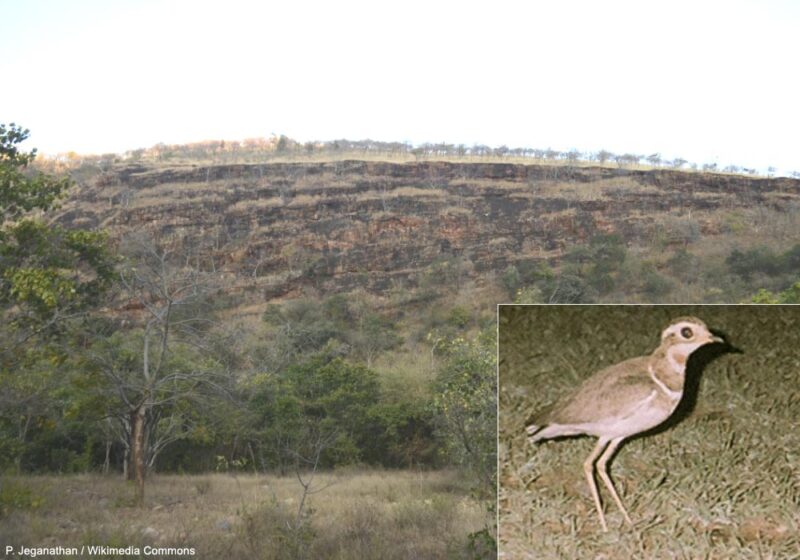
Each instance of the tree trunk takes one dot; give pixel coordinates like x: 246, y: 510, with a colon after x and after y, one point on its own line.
x: 130, y: 469
x: 252, y: 458
x: 137, y: 451
x: 23, y: 432
x: 107, y: 462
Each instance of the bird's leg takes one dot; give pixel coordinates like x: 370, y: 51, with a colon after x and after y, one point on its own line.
x: 602, y: 469
x: 588, y: 468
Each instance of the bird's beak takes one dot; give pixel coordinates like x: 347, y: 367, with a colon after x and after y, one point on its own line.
x: 715, y: 338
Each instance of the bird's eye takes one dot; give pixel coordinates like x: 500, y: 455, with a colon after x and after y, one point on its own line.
x: 686, y: 332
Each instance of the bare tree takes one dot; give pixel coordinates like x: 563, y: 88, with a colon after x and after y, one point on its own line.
x: 627, y: 159
x: 603, y: 156
x: 552, y: 154
x: 654, y: 159
x: 165, y: 294
x: 307, y: 461
x: 572, y: 156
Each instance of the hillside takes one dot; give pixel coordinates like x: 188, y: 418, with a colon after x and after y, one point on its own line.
x: 345, y: 311
x: 279, y: 228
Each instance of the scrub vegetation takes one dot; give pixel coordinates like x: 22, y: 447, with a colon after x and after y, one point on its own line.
x: 128, y: 367
x: 267, y: 309
x: 362, y: 513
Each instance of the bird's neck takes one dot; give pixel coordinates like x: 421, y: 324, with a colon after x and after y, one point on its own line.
x: 669, y: 365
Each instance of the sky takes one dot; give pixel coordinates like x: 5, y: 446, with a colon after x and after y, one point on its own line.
x: 707, y: 81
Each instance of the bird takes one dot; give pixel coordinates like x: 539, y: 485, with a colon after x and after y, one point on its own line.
x: 623, y: 400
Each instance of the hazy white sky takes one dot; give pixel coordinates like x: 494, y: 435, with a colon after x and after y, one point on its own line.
x: 707, y: 81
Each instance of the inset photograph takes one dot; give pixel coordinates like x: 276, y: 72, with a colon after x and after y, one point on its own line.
x: 631, y: 431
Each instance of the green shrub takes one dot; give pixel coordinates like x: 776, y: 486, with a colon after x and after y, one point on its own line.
x: 682, y: 264
x: 16, y: 496
x: 511, y: 279
x: 459, y: 317
x: 790, y: 295
x: 653, y: 284
x: 754, y: 261
x: 529, y: 294
x: 568, y: 288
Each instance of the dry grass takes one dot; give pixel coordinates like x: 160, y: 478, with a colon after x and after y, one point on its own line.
x: 722, y: 483
x: 604, y: 189
x: 251, y: 204
x: 480, y: 185
x: 400, y: 192
x: 167, y: 193
x: 363, y: 514
x: 455, y: 211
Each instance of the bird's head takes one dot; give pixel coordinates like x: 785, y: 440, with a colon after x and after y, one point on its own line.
x: 687, y: 334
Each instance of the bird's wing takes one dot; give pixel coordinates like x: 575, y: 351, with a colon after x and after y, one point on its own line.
x: 613, y: 392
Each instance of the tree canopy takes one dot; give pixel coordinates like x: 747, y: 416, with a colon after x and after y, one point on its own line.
x: 46, y: 272
x: 48, y: 277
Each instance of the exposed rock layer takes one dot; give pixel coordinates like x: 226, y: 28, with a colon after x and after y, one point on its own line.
x: 279, y: 226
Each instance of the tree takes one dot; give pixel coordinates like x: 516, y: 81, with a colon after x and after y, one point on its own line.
x: 789, y: 296
x: 551, y: 154
x: 511, y: 279
x: 654, y: 159
x: 572, y: 156
x: 283, y: 145
x: 603, y: 156
x: 466, y: 407
x: 166, y: 360
x: 366, y: 332
x: 566, y: 288
x: 402, y: 434
x: 653, y: 284
x: 26, y: 404
x: 20, y: 192
x: 336, y: 397
x: 627, y: 159
x: 759, y: 260
x: 684, y: 266
x: 47, y: 273
x: 297, y: 329
x: 50, y: 277
x: 322, y: 399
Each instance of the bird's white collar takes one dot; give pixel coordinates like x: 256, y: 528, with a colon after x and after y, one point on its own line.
x: 673, y: 395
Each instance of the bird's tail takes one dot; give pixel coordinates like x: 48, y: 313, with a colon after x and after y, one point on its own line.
x: 534, y: 432
x: 536, y: 423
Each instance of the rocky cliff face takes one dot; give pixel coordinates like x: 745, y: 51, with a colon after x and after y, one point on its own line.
x: 277, y: 227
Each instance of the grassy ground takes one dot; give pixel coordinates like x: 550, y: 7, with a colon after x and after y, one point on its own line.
x: 362, y: 514
x: 721, y: 481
